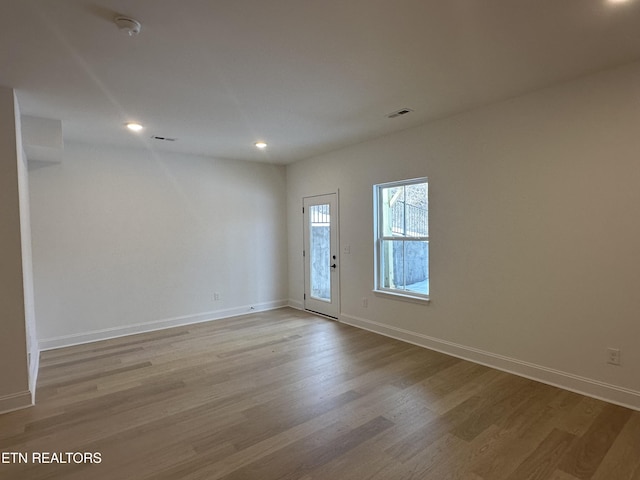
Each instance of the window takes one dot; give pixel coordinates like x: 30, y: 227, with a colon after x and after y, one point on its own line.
x: 402, y: 238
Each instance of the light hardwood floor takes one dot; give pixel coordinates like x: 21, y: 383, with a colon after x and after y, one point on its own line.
x: 287, y: 395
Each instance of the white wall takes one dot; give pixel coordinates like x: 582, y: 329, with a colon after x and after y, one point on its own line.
x: 33, y: 350
x: 535, y: 233
x: 14, y: 299
x: 129, y: 237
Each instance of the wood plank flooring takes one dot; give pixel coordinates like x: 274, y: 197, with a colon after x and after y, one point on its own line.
x: 288, y: 395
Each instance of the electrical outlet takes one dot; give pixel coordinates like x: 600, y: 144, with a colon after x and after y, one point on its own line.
x: 216, y: 296
x: 613, y: 356
x: 365, y: 302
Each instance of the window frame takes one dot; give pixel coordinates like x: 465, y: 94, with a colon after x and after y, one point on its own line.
x: 379, y: 238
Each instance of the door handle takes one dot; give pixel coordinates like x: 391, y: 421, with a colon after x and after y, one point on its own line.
x: 333, y: 266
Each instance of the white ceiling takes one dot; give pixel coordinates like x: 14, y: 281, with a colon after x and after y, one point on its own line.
x: 305, y: 76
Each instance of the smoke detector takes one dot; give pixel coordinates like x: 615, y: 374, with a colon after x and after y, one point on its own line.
x: 127, y: 25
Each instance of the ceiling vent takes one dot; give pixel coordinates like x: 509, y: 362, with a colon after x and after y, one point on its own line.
x: 399, y: 113
x: 164, y: 139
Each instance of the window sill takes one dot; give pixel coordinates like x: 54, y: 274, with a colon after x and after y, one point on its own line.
x: 402, y: 296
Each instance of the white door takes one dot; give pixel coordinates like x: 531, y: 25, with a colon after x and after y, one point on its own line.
x: 321, y: 262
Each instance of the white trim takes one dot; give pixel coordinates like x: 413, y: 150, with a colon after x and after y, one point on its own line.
x: 400, y: 183
x: 298, y: 305
x: 33, y: 373
x: 557, y: 378
x: 417, y: 298
x: 379, y: 237
x: 107, y: 333
x: 15, y: 401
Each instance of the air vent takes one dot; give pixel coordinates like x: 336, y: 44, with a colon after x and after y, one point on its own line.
x: 164, y: 139
x: 399, y: 113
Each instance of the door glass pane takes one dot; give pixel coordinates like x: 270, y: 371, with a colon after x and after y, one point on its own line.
x: 320, y: 251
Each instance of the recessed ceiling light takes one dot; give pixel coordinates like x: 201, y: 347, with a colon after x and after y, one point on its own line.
x: 261, y: 145
x: 135, y: 127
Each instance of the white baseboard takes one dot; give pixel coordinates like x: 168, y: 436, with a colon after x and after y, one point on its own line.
x: 107, y: 333
x: 296, y: 304
x: 15, y: 401
x: 585, y: 386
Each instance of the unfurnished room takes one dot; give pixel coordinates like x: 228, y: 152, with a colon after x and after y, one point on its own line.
x: 285, y: 239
